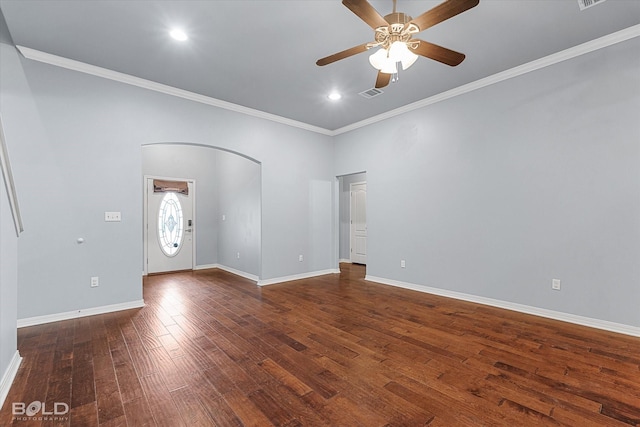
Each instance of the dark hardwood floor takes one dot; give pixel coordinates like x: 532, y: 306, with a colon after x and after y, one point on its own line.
x: 210, y: 348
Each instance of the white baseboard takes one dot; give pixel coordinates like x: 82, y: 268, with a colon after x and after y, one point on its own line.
x: 297, y: 277
x: 346, y: 261
x: 542, y: 312
x: 229, y: 270
x: 239, y: 273
x: 206, y: 266
x: 56, y: 317
x: 8, y: 376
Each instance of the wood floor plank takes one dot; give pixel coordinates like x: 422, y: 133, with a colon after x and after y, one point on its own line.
x: 285, y: 377
x: 190, y: 408
x: 213, y: 349
x: 167, y: 369
x: 85, y: 415
x: 138, y: 413
x: 142, y: 362
x: 163, y: 408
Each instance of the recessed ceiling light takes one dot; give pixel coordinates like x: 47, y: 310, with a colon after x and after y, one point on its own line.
x: 178, y: 34
x: 334, y: 96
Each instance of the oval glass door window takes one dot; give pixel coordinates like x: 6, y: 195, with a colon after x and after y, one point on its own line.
x: 170, y: 224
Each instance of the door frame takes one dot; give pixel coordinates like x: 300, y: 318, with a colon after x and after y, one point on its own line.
x: 145, y: 224
x: 351, y: 248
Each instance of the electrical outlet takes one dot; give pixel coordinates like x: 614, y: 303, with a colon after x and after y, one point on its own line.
x: 555, y: 284
x: 403, y: 264
x: 238, y: 255
x: 95, y: 281
x: 300, y: 258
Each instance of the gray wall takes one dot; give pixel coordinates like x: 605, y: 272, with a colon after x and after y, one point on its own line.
x: 344, y: 236
x: 239, y: 201
x: 496, y: 192
x: 8, y: 282
x: 8, y: 239
x: 77, y: 153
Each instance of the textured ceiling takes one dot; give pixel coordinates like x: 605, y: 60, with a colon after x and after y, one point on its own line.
x: 261, y: 54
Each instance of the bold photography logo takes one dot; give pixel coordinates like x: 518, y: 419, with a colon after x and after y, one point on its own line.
x: 39, y: 409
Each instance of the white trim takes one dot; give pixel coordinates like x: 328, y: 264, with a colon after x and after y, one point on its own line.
x: 39, y: 320
x: 346, y: 261
x: 297, y: 277
x: 228, y: 270
x: 590, y: 46
x: 572, y: 52
x: 8, y: 376
x: 93, y: 70
x: 239, y: 273
x: 5, y: 165
x: 536, y: 311
x: 206, y: 266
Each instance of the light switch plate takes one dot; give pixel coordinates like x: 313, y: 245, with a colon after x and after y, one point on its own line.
x: 112, y: 217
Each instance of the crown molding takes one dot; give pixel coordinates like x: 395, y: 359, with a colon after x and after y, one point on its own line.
x: 105, y: 73
x: 564, y: 55
x: 584, y: 48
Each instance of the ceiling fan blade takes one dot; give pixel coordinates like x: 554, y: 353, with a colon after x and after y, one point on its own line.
x: 341, y: 55
x: 442, y: 12
x: 438, y: 53
x: 382, y: 80
x: 366, y: 12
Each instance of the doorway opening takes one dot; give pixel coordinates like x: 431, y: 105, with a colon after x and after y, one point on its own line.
x: 225, y: 225
x: 352, y: 230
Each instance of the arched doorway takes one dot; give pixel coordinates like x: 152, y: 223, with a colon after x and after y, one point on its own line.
x: 226, y: 223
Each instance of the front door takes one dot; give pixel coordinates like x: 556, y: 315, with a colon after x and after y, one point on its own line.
x: 169, y: 225
x: 359, y: 223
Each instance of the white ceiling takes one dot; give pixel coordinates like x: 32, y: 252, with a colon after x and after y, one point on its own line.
x: 261, y: 54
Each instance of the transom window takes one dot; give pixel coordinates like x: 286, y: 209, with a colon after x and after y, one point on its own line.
x: 170, y: 224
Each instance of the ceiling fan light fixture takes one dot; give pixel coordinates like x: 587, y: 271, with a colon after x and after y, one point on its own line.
x: 393, y: 34
x: 399, y: 52
x: 378, y: 59
x: 382, y: 61
x: 390, y: 68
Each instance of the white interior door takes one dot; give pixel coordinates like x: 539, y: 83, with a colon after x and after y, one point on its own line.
x: 169, y: 228
x: 359, y: 222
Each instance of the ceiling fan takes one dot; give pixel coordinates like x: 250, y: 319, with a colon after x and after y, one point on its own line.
x: 394, y: 35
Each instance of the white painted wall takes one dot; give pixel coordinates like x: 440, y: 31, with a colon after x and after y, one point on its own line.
x: 496, y: 192
x: 86, y: 159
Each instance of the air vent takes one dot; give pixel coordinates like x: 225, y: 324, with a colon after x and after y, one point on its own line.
x: 585, y: 4
x: 375, y: 92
